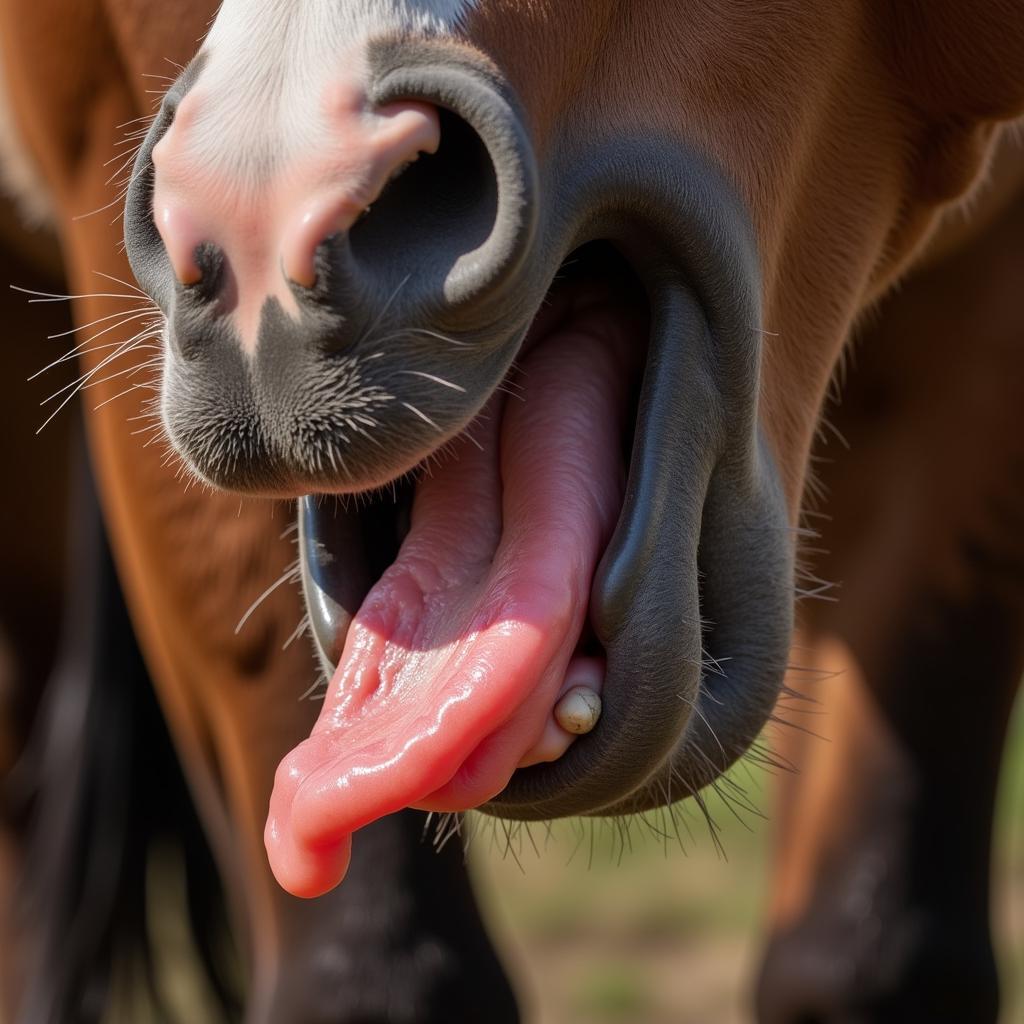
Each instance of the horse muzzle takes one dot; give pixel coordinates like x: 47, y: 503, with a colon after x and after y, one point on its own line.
x: 554, y: 364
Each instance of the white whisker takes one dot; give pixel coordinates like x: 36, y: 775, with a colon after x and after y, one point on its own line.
x: 431, y: 377
x: 57, y: 297
x: 422, y: 415
x: 123, y: 316
x: 290, y: 575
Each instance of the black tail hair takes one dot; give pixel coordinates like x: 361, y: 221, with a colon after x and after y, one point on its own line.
x: 102, y: 787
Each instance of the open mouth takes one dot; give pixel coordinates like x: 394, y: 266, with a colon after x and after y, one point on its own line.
x: 445, y: 679
x: 585, y: 498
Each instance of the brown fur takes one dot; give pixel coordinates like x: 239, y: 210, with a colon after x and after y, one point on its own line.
x: 847, y: 126
x: 923, y: 651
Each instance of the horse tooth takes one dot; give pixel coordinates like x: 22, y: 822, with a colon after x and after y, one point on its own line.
x: 578, y: 710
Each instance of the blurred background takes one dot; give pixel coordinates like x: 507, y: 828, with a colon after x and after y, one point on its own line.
x: 599, y: 926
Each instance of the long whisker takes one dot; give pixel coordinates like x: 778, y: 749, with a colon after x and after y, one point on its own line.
x: 290, y: 575
x: 128, y: 371
x: 387, y: 305
x: 73, y: 353
x: 123, y: 347
x: 431, y: 377
x: 150, y: 386
x: 127, y: 314
x: 127, y: 284
x: 57, y: 297
x: 422, y: 415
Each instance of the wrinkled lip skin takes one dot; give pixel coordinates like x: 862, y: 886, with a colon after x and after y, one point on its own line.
x: 691, y: 600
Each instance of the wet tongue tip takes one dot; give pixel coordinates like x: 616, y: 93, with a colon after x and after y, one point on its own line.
x: 306, y: 871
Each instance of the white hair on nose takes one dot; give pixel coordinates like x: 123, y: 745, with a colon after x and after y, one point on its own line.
x: 267, y: 63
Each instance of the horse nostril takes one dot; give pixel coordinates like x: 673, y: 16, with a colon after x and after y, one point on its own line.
x: 408, y: 218
x: 304, y: 332
x: 372, y: 159
x: 432, y: 213
x: 270, y: 221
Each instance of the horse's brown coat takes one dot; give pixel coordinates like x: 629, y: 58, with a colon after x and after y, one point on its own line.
x: 846, y: 126
x: 928, y: 639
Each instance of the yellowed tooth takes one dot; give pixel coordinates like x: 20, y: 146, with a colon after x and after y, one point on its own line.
x: 578, y: 710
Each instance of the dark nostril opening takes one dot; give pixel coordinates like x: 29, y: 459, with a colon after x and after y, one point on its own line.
x: 212, y: 266
x: 440, y: 208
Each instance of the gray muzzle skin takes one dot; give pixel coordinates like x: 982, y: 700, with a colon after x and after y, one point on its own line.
x: 692, y: 600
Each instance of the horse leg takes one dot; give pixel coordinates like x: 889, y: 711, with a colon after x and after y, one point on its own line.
x: 880, y: 909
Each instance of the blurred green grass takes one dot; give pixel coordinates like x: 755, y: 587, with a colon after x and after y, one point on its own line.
x: 661, y: 925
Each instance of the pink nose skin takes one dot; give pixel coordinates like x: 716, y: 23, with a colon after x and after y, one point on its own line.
x: 401, y: 132
x: 270, y: 230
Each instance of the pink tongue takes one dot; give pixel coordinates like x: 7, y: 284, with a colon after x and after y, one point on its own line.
x: 452, y: 665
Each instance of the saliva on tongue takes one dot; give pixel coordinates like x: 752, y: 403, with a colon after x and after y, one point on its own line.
x: 454, y: 662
